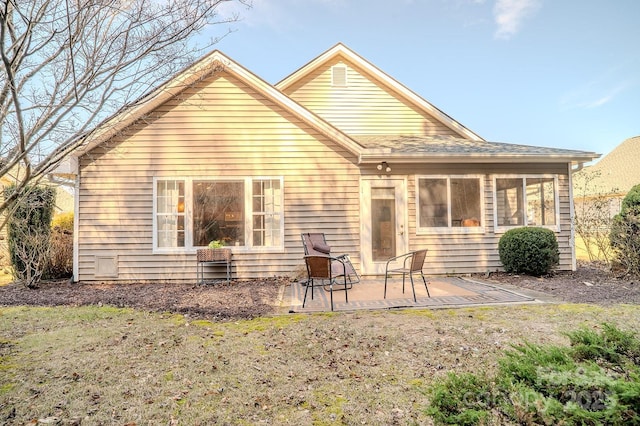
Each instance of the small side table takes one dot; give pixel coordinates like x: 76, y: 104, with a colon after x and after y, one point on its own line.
x: 217, y: 256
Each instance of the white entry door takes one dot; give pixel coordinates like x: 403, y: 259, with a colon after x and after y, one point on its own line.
x: 384, y: 222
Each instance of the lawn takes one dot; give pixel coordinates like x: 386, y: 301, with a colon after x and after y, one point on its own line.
x: 102, y: 365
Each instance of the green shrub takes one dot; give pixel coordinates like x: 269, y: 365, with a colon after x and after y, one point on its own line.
x: 594, y: 381
x: 29, y: 230
x: 625, y: 232
x: 461, y: 399
x: 530, y: 250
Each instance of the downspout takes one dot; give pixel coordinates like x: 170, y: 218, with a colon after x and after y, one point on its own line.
x: 76, y: 227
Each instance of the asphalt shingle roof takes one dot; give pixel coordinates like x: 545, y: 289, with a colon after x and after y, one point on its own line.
x: 447, y: 145
x: 617, y: 170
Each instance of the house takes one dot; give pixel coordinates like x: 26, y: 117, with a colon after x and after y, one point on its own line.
x: 339, y: 147
x: 612, y: 177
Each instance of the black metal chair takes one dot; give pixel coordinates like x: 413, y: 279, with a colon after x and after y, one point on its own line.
x: 412, y: 263
x: 321, y: 271
x: 315, y: 243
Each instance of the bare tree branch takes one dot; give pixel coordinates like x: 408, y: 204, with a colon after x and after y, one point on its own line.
x: 67, y: 65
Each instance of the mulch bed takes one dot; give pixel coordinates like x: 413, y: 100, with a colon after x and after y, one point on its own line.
x: 255, y: 298
x: 219, y: 301
x: 590, y: 283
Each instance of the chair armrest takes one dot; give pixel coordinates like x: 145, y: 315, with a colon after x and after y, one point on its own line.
x: 405, y: 256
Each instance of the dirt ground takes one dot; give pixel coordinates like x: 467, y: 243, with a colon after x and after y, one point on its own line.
x: 590, y: 283
x: 250, y: 299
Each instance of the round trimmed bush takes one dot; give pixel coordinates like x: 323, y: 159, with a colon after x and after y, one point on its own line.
x: 531, y: 250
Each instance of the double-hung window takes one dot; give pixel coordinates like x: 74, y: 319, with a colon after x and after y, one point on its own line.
x: 449, y: 203
x: 241, y: 212
x: 526, y: 201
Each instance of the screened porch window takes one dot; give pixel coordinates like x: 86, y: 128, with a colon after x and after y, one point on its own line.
x: 526, y: 201
x: 192, y: 212
x: 449, y: 202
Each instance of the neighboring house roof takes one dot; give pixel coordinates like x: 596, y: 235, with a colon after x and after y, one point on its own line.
x: 468, y: 148
x: 64, y: 197
x: 617, y: 172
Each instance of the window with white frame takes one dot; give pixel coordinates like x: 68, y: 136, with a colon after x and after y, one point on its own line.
x: 192, y: 212
x: 170, y: 213
x: 449, y: 202
x: 526, y: 201
x: 267, y: 213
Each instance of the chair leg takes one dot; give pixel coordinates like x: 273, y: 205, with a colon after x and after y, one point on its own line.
x: 425, y: 284
x: 346, y: 297
x: 415, y: 300
x: 385, y: 285
x: 306, y: 288
x: 309, y: 284
x: 331, y: 294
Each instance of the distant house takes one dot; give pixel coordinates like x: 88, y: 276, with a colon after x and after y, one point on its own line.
x: 339, y: 147
x: 611, y: 177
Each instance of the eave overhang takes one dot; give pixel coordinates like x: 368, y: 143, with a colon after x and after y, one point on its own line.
x: 369, y: 157
x: 411, y: 149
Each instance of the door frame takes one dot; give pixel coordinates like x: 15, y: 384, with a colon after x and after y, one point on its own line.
x: 399, y: 183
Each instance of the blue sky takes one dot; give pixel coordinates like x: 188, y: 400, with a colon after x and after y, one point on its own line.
x: 562, y: 73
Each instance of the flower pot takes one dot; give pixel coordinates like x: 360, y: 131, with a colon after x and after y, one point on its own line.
x: 214, y: 255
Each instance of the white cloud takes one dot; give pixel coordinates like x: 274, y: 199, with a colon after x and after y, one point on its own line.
x: 510, y: 14
x: 591, y: 96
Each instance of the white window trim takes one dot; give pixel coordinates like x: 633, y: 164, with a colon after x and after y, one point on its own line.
x: 154, y: 217
x: 427, y: 230
x: 248, y: 213
x: 556, y: 196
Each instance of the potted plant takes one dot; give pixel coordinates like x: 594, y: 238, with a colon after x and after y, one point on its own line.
x: 215, y: 252
x: 216, y: 244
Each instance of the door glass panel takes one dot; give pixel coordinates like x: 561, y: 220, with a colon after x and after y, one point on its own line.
x: 383, y: 223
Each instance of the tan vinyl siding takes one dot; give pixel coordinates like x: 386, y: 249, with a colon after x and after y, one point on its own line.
x: 363, y: 106
x: 459, y: 253
x: 224, y: 129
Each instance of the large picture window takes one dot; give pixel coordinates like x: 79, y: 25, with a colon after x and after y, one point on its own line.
x: 192, y: 212
x: 449, y: 202
x: 526, y: 201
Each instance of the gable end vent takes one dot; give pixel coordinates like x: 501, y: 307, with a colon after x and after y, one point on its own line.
x: 339, y: 75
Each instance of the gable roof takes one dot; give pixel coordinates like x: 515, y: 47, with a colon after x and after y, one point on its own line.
x: 618, y: 170
x: 210, y: 64
x: 469, y: 147
x: 383, y: 78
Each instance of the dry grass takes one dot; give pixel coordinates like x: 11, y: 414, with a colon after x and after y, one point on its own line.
x: 102, y: 365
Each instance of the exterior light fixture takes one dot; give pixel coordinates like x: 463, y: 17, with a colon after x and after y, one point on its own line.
x: 384, y: 166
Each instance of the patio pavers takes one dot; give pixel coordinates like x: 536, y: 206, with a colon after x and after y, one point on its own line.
x: 368, y: 294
